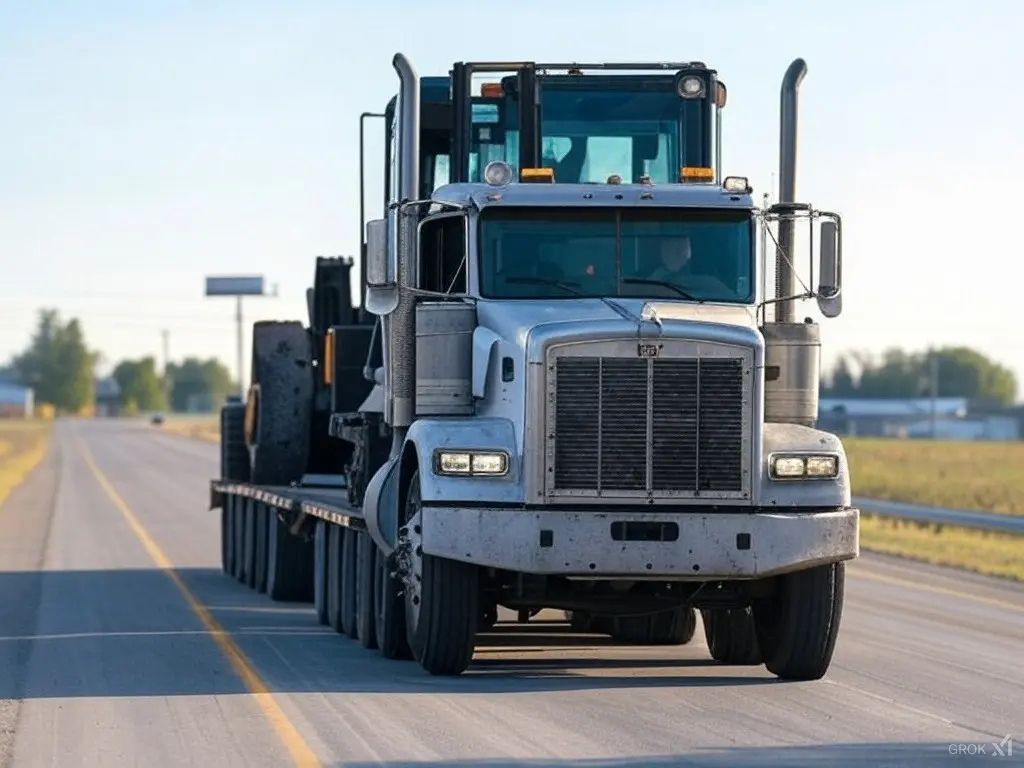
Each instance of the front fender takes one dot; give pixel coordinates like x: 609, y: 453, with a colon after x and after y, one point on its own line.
x: 487, y: 434
x: 830, y: 494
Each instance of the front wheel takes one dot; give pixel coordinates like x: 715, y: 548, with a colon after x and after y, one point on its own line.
x: 797, y: 627
x: 442, y: 600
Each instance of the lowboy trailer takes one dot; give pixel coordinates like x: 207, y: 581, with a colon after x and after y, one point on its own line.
x: 562, y: 388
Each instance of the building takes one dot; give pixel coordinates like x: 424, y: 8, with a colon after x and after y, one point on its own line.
x: 16, y: 401
x: 945, y: 418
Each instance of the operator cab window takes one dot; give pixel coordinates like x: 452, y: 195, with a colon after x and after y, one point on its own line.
x: 443, y: 254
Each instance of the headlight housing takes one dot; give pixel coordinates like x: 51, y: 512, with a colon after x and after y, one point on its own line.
x: 470, y: 463
x: 803, y: 466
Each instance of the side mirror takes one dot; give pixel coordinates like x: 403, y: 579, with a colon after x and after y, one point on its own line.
x: 830, y: 269
x: 378, y: 267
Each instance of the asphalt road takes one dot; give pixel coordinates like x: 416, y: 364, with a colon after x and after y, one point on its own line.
x: 110, y: 583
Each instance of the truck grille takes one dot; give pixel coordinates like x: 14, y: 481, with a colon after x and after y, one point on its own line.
x: 648, y: 425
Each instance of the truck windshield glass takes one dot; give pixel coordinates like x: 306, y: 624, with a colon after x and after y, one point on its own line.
x: 705, y: 254
x: 627, y: 128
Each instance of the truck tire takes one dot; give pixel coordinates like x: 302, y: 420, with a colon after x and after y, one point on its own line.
x: 234, y: 454
x: 366, y: 571
x: 280, y: 402
x: 390, y: 613
x: 289, y: 562
x: 320, y: 572
x: 349, y: 568
x: 249, y: 577
x: 675, y: 627
x: 227, y: 535
x: 797, y: 627
x: 239, y: 538
x: 335, y: 574
x: 730, y: 636
x: 261, y: 517
x: 442, y: 615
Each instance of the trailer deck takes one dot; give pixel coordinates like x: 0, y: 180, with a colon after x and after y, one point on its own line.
x: 326, y: 502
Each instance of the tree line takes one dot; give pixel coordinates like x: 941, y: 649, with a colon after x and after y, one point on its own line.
x: 60, y: 367
x: 897, y: 373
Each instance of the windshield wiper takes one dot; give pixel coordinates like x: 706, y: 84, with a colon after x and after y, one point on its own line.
x: 571, y: 287
x: 664, y: 284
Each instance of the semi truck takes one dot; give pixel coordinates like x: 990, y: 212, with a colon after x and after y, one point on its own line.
x: 566, y: 385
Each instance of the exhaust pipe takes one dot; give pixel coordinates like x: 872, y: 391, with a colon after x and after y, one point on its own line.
x: 785, y: 279
x: 402, y: 322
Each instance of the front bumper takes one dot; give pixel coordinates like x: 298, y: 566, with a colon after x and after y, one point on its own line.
x: 700, y: 546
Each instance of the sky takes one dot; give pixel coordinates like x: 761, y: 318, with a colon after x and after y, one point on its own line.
x: 144, y: 146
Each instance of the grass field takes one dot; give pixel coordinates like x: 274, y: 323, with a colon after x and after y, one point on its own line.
x: 22, y: 445
x: 202, y: 427
x: 993, y: 554
x: 987, y: 477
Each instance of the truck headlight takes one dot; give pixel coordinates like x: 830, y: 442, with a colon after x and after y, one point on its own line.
x: 803, y: 466
x: 471, y: 463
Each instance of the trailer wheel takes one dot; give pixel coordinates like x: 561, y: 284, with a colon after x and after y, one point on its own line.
x: 289, y: 562
x: 675, y: 627
x: 234, y: 454
x: 335, y: 572
x: 249, y: 549
x: 365, y: 591
x: 797, y: 627
x: 280, y: 403
x: 227, y: 535
x: 730, y: 636
x: 320, y: 580
x: 239, y: 538
x: 442, y: 600
x: 390, y: 614
x: 349, y: 568
x: 261, y: 518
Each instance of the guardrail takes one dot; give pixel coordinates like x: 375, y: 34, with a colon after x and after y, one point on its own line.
x: 981, y: 521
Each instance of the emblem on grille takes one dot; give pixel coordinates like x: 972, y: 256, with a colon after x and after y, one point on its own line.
x: 648, y: 350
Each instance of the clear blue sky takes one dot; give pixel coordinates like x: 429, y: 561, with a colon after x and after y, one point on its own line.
x: 141, y: 149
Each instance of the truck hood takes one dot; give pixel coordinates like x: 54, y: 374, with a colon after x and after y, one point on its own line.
x: 513, y: 320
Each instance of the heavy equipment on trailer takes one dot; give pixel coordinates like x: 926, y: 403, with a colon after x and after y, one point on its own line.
x: 562, y: 388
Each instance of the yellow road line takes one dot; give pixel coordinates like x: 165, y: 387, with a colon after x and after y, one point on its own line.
x: 300, y: 752
x: 994, y: 601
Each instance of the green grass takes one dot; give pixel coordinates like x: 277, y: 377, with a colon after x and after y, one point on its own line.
x: 992, y: 554
x: 982, y: 476
x: 22, y: 447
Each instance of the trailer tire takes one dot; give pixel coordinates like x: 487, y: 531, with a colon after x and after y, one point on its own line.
x: 366, y: 624
x: 249, y: 575
x: 320, y: 572
x: 261, y: 517
x: 389, y: 613
x: 730, y: 636
x: 675, y: 627
x: 227, y: 536
x: 443, y: 613
x: 797, y: 627
x: 238, y: 571
x: 349, y: 595
x: 280, y: 402
x: 234, y: 454
x: 289, y: 562
x: 335, y: 574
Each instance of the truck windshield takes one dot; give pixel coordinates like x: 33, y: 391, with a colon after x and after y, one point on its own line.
x: 592, y: 128
x: 696, y: 254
